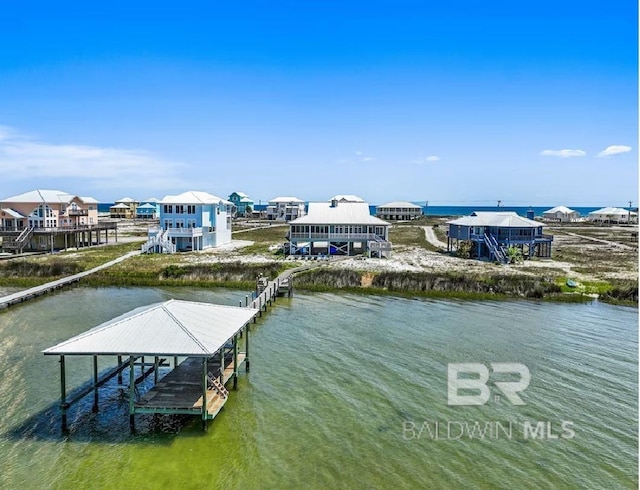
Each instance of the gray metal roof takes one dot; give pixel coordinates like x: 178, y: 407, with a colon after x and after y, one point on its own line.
x: 194, y: 197
x: 345, y: 213
x: 503, y: 219
x: 171, y: 328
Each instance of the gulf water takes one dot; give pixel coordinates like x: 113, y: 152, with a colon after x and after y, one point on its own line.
x: 344, y: 392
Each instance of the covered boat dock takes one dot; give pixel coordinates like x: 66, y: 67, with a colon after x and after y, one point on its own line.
x: 200, y: 341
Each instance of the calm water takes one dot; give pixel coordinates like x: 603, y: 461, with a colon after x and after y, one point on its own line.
x: 338, y: 393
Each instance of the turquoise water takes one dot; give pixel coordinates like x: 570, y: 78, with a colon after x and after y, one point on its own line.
x: 339, y: 389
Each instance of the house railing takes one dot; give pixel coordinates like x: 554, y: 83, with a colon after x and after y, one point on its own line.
x: 335, y: 236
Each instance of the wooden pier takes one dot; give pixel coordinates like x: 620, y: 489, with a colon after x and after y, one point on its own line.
x: 34, y: 292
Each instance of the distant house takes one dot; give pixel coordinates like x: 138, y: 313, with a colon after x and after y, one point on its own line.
x: 399, y: 210
x: 346, y: 198
x: 242, y: 203
x: 124, y: 208
x: 193, y: 220
x: 493, y: 232
x: 339, y: 228
x: 285, y: 208
x: 45, y: 219
x: 561, y: 214
x: 613, y: 215
x: 147, y: 211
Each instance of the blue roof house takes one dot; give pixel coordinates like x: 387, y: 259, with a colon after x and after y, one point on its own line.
x: 193, y: 220
x: 242, y: 203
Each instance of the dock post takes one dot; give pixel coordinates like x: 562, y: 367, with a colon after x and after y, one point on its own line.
x: 120, y: 373
x: 204, y: 394
x: 260, y: 304
x: 155, y: 370
x: 94, y: 409
x: 246, y: 300
x: 246, y: 347
x: 63, y: 395
x: 175, y: 362
x: 235, y: 362
x: 132, y: 395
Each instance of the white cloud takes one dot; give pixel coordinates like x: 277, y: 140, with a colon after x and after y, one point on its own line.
x: 426, y: 160
x: 24, y: 158
x: 361, y: 157
x: 563, y: 153
x: 614, y: 150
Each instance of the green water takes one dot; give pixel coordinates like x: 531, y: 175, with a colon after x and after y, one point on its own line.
x: 336, y: 384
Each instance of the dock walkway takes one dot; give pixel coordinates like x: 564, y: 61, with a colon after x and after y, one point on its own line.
x: 33, y: 292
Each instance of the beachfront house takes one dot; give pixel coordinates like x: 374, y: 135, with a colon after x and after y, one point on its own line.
x: 285, y: 209
x: 346, y: 198
x: 492, y: 233
x: 561, y: 214
x: 243, y: 204
x: 193, y: 220
x: 339, y: 228
x: 399, y: 211
x: 45, y: 219
x: 613, y: 215
x: 124, y: 208
x: 148, y: 211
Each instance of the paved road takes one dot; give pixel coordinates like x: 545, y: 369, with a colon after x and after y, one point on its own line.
x: 431, y: 237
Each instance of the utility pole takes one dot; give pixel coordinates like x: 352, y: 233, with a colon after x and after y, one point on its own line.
x: 499, y: 202
x: 426, y: 207
x: 629, y: 217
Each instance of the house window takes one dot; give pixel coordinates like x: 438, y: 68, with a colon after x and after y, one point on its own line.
x: 191, y: 209
x: 168, y: 224
x: 168, y: 208
x: 179, y: 209
x: 179, y: 223
x: 191, y: 223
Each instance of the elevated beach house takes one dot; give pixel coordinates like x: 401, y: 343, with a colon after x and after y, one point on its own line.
x: 561, y: 214
x: 399, y: 211
x: 193, y: 220
x: 492, y: 233
x: 285, y: 209
x: 124, y: 208
x: 243, y: 204
x: 148, y: 211
x: 45, y: 219
x: 613, y: 215
x: 346, y: 198
x: 339, y: 228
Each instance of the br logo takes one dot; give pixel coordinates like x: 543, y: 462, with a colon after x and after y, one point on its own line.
x: 478, y: 383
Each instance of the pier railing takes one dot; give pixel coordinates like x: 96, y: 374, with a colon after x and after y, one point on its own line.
x: 335, y: 236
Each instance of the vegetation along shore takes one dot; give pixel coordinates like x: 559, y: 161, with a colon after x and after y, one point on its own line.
x: 601, y: 262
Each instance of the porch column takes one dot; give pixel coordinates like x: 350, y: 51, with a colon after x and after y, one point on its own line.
x: 235, y: 361
x: 204, y: 394
x: 247, y: 328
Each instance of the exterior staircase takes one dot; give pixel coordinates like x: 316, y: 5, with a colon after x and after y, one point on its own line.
x: 380, y: 245
x: 495, y: 249
x: 18, y: 244
x: 161, y: 241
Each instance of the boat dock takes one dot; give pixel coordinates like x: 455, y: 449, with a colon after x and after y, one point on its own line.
x: 34, y: 292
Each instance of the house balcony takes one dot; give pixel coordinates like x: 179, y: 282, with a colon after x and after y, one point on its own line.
x: 182, y: 232
x: 78, y: 212
x: 334, y: 237
x: 504, y: 239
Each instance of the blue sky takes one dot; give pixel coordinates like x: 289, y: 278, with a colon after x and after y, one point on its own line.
x: 452, y: 102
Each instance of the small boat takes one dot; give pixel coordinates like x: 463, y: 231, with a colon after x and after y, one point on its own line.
x: 571, y: 283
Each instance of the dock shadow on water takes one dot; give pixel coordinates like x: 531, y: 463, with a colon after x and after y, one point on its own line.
x: 110, y: 424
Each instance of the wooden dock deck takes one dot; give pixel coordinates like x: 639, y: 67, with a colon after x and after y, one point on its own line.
x: 36, y: 291
x: 180, y: 391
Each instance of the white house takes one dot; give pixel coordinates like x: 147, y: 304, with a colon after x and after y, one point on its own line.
x: 285, y: 209
x: 193, y: 220
x: 399, y: 210
x: 613, y: 215
x: 561, y: 214
x: 339, y: 228
x: 346, y: 198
